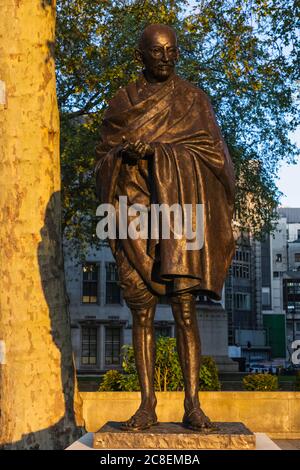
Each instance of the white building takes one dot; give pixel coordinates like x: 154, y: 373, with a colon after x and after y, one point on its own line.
x: 281, y: 282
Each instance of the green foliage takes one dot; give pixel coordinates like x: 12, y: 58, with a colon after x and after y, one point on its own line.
x: 209, y: 380
x: 260, y: 382
x: 130, y: 381
x: 111, y: 382
x: 168, y: 375
x: 243, y: 53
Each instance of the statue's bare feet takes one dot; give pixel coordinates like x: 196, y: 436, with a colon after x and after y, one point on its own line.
x: 195, y: 419
x: 142, y: 419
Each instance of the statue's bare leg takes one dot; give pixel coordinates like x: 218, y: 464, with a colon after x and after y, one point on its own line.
x: 143, y: 338
x: 189, y: 350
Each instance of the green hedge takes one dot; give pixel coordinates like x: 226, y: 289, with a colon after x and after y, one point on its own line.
x: 260, y: 382
x: 168, y: 375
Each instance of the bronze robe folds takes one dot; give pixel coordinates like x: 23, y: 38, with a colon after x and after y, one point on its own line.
x: 191, y: 165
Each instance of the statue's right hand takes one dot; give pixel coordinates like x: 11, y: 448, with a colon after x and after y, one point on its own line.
x: 130, y: 149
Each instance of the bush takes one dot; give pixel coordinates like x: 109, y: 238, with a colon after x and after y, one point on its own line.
x: 167, y: 368
x: 168, y: 375
x: 111, y: 382
x: 260, y: 382
x: 209, y: 379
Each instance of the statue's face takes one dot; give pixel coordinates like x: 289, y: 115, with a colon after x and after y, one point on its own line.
x: 159, y: 54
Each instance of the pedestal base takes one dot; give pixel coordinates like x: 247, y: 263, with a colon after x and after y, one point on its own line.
x: 175, y: 436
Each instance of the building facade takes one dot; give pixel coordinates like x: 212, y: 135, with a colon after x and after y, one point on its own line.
x: 101, y: 322
x: 259, y: 312
x: 281, y: 283
x: 243, y: 301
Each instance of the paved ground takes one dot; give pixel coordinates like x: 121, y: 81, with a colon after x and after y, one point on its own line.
x: 288, y: 444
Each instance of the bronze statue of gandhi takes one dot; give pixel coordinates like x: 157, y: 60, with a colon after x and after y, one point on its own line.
x: 161, y: 144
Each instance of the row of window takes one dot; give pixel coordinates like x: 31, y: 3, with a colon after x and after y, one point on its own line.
x: 90, y: 284
x: 241, y: 301
x: 293, y: 307
x: 242, y: 255
x: 89, y: 346
x: 241, y: 270
x: 240, y: 267
x: 293, y: 288
x: 278, y: 258
x: 113, y: 344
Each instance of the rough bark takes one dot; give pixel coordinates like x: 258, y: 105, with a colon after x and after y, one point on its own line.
x: 38, y: 401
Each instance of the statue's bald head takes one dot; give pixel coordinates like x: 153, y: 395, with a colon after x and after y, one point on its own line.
x: 153, y: 31
x: 158, y: 52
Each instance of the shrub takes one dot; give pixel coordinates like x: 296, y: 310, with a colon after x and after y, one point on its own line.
x: 260, y: 382
x: 111, y: 382
x: 168, y: 375
x: 167, y: 369
x: 209, y: 379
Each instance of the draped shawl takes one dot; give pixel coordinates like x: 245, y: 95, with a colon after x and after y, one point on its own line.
x: 191, y: 165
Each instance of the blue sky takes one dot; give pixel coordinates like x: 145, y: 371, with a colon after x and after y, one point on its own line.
x: 289, y: 180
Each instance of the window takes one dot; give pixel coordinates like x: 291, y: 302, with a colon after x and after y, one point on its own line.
x: 90, y: 283
x: 297, y: 257
x: 266, y: 297
x: 164, y: 331
x: 298, y: 234
x: 242, y: 256
x: 112, y: 346
x: 89, y: 345
x: 113, y: 293
x: 293, y: 307
x: 241, y: 264
x: 276, y: 274
x: 242, y: 301
x: 278, y: 258
x: 241, y: 270
x: 293, y: 288
x: 297, y: 326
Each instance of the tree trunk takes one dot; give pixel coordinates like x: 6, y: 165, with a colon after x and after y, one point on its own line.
x: 40, y: 408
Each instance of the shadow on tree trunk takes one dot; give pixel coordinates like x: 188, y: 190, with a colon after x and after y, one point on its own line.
x: 50, y: 257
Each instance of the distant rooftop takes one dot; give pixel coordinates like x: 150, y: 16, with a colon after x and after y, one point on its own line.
x: 292, y: 214
x: 292, y: 275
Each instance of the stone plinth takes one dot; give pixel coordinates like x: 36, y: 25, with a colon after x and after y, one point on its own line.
x: 213, y: 328
x: 175, y: 436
